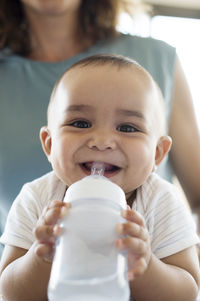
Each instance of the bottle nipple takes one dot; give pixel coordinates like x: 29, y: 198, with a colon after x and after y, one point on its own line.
x: 97, y: 169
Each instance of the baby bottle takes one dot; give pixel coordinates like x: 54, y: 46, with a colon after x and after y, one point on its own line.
x: 87, y: 266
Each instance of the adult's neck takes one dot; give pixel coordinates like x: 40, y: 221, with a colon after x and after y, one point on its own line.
x: 54, y: 37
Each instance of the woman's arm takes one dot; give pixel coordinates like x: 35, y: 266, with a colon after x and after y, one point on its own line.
x: 183, y: 128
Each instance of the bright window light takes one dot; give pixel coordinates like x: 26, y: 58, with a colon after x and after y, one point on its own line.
x: 184, y: 35
x: 139, y: 25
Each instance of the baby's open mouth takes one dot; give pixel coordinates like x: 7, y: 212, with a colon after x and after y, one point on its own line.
x: 109, y: 168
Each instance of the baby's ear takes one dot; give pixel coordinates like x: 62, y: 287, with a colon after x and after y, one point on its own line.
x: 45, y: 139
x: 162, y: 149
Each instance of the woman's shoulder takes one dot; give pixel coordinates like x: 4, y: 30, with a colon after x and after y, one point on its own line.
x: 142, y: 41
x: 147, y: 51
x: 145, y: 45
x: 5, y: 53
x: 9, y: 60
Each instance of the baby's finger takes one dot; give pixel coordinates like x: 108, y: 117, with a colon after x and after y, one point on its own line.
x: 133, y: 216
x: 138, y: 270
x: 132, y: 229
x: 45, y: 233
x: 54, y: 213
x: 52, y: 204
x: 135, y: 245
x: 45, y: 252
x: 58, y: 204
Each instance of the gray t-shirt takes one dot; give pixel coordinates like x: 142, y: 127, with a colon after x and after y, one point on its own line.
x: 25, y: 88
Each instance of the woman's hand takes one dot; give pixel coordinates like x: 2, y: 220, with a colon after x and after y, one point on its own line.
x: 136, y: 241
x: 47, y: 229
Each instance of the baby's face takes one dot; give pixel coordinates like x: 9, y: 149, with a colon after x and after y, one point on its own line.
x: 103, y: 114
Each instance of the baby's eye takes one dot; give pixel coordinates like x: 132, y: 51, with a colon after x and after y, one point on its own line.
x: 127, y: 128
x: 81, y: 124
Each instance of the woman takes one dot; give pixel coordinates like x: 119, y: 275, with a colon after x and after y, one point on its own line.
x: 39, y: 40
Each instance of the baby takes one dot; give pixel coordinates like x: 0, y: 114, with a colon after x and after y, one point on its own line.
x: 108, y: 109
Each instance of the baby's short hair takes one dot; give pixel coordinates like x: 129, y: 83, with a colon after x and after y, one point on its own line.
x: 113, y: 60
x: 107, y: 59
x: 101, y: 60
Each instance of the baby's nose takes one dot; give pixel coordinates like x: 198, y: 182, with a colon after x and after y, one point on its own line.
x: 102, y: 140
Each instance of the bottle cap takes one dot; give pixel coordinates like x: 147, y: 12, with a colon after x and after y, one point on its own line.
x: 96, y: 186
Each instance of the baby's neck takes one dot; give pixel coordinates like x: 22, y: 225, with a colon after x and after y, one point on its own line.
x: 130, y: 197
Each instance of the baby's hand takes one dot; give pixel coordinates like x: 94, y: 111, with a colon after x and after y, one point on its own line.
x: 136, y: 242
x: 47, y: 229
